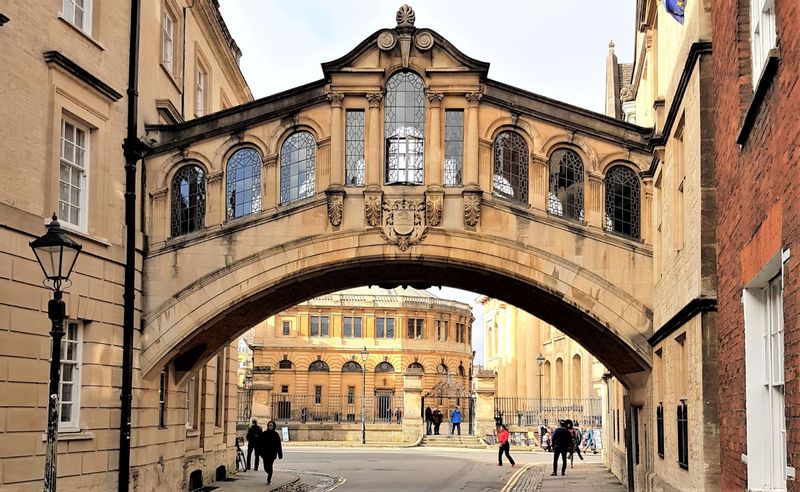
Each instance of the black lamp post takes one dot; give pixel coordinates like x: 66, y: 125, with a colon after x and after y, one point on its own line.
x: 56, y: 254
x: 540, y: 361
x: 364, y: 355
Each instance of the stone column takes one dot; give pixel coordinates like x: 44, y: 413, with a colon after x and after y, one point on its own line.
x: 262, y: 394
x: 539, y: 182
x: 160, y: 221
x: 374, y: 141
x: 484, y: 383
x: 270, y: 191
x: 215, y: 202
x: 471, y: 139
x: 593, y: 204
x: 433, y: 150
x: 337, y: 138
x: 412, y: 401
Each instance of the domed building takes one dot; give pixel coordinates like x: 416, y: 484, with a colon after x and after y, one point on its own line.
x: 314, y: 363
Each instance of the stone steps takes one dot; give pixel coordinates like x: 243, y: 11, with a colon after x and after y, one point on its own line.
x: 447, y: 441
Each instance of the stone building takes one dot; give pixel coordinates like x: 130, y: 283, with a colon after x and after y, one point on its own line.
x: 755, y: 73
x: 669, y: 429
x: 311, y: 357
x: 63, y: 121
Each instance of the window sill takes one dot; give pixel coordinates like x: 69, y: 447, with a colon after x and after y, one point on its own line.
x: 80, y: 233
x: 172, y: 78
x: 83, y: 33
x: 192, y: 433
x: 764, y: 82
x: 72, y: 435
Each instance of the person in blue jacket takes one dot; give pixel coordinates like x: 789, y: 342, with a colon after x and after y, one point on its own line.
x: 455, y: 421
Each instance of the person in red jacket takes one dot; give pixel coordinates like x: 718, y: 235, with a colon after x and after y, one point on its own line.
x: 505, y: 445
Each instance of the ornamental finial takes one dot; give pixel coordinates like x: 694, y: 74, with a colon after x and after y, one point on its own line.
x: 405, y: 16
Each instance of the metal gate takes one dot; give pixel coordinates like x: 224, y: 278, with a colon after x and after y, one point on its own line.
x: 446, y: 396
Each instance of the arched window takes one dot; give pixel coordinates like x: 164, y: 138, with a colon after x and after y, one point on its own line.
x: 404, y: 123
x: 285, y: 364
x: 461, y: 369
x: 416, y: 366
x: 384, y: 367
x: 441, y: 369
x: 298, y: 167
x: 243, y: 183
x: 566, y: 185
x: 577, y: 379
x: 351, y: 366
x: 318, y: 365
x: 188, y: 200
x: 622, y: 201
x: 510, y: 167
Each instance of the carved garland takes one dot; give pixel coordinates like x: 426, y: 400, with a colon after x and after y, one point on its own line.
x: 372, y: 210
x: 472, y: 209
x: 433, y: 212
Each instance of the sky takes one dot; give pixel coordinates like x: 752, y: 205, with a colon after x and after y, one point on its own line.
x: 555, y: 48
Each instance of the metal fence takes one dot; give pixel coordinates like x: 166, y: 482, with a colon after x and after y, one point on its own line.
x: 336, y: 408
x: 530, y: 412
x: 244, y: 405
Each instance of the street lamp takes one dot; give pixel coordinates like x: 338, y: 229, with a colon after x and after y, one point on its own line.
x: 56, y: 254
x: 364, y: 355
x: 540, y: 361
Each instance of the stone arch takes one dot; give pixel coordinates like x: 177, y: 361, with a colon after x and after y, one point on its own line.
x: 298, y: 123
x: 518, y: 125
x: 234, y: 142
x: 190, y: 325
x: 399, y: 68
x: 575, y: 143
x: 179, y: 160
x: 625, y: 158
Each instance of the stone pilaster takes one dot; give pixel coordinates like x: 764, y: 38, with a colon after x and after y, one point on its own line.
x: 270, y: 192
x: 593, y: 202
x: 374, y: 141
x: 646, y: 219
x: 337, y: 138
x: 412, y: 401
x: 215, y: 201
x: 160, y: 220
x: 433, y: 151
x: 262, y: 394
x: 471, y: 139
x: 538, y: 182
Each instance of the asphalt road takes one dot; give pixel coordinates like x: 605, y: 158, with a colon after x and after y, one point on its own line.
x: 411, y: 469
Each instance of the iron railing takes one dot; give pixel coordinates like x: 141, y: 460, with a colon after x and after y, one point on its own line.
x: 336, y: 408
x: 531, y: 412
x: 244, y: 405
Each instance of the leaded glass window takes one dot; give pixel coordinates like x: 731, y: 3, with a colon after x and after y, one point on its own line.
x: 351, y: 366
x: 416, y: 366
x: 285, y: 364
x: 354, y: 148
x: 298, y: 165
x: 510, y: 167
x: 441, y: 369
x: 565, y: 198
x: 384, y: 367
x: 453, y: 147
x: 622, y: 201
x: 404, y: 123
x: 244, y: 183
x: 188, y: 200
x: 318, y: 365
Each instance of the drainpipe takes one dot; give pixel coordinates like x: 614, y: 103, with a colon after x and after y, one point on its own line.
x: 133, y: 151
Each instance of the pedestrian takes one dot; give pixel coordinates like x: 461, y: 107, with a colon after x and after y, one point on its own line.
x: 561, y: 441
x: 588, y: 440
x: 253, y: 436
x: 303, y: 415
x: 398, y: 414
x: 437, y: 420
x: 576, y: 441
x: 270, y: 448
x: 455, y: 421
x: 428, y: 419
x: 546, y: 439
x: 505, y: 445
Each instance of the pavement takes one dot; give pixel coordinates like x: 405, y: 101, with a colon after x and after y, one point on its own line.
x: 315, y: 469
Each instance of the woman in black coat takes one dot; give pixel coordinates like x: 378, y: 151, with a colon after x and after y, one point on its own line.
x: 270, y: 448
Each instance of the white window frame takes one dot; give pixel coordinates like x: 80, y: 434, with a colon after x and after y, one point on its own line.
x: 167, y: 40
x: 75, y: 166
x: 200, y: 90
x: 767, y: 466
x: 762, y: 34
x: 68, y: 14
x: 192, y: 402
x: 73, y: 423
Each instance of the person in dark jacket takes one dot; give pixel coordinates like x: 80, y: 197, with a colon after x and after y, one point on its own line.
x: 437, y: 420
x: 253, y: 436
x: 428, y: 419
x: 561, y: 442
x: 270, y: 448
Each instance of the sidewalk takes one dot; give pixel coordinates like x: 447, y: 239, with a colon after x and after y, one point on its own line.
x: 255, y: 480
x: 585, y: 477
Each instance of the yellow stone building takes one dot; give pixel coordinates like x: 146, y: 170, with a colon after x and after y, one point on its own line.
x: 311, y: 357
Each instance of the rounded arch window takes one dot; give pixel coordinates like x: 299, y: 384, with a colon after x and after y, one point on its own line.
x: 243, y: 190
x: 404, y: 125
x: 188, y: 200
x: 565, y: 197
x: 351, y: 366
x: 285, y: 364
x: 510, y: 178
x: 461, y: 369
x: 622, y: 201
x: 318, y: 365
x: 384, y: 367
x: 416, y: 366
x: 441, y: 369
x: 298, y: 167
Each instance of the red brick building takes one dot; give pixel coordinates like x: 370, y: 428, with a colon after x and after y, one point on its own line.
x: 757, y: 142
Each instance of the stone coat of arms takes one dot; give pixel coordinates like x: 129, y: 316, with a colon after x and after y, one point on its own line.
x: 404, y: 221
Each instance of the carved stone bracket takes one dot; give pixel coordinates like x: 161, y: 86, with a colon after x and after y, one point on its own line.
x: 474, y: 98
x: 403, y: 222
x: 335, y: 98
x: 434, y: 200
x: 472, y: 205
x: 435, y: 98
x: 214, y: 176
x: 335, y: 194
x: 373, y: 198
x: 374, y: 99
x: 270, y: 160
